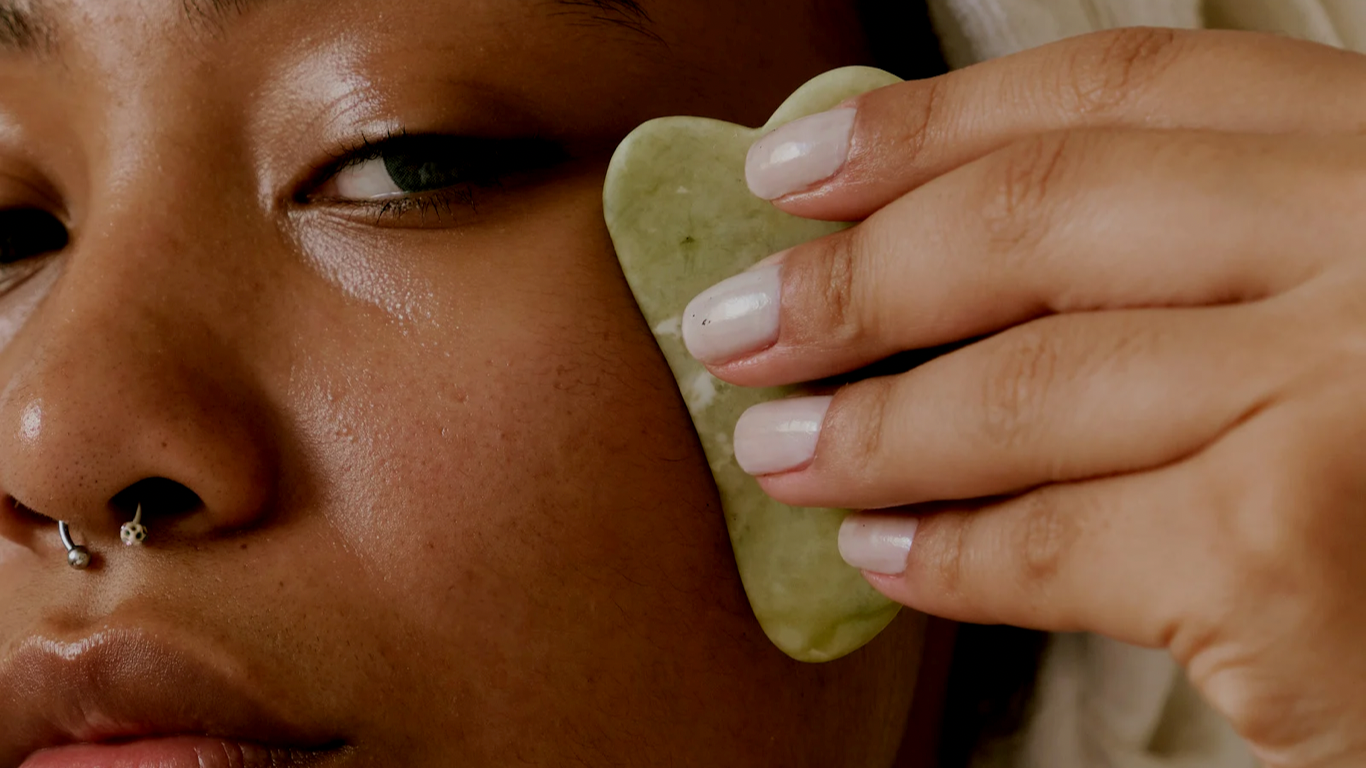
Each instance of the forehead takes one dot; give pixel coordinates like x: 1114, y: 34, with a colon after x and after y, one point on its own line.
x: 596, y: 66
x: 26, y: 24
x: 144, y: 29
x: 510, y: 48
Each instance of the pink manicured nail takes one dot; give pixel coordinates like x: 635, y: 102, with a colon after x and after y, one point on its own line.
x: 800, y: 154
x: 735, y: 316
x: 779, y: 436
x: 877, y: 543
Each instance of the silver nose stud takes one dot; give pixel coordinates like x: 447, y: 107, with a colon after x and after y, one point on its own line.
x: 76, y: 556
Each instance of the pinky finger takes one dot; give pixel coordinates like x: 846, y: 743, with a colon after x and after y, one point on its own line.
x: 1113, y: 556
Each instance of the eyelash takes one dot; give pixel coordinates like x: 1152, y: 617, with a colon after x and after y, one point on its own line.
x: 27, y: 235
x: 488, y: 164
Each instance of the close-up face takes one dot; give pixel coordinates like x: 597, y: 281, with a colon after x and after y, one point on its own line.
x: 323, y: 287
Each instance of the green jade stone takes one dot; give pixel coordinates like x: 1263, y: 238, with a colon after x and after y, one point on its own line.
x: 683, y: 219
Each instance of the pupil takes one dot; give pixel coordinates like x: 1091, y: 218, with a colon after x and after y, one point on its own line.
x: 28, y: 232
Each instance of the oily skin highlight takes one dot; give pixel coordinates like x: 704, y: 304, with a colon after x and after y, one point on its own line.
x: 453, y: 509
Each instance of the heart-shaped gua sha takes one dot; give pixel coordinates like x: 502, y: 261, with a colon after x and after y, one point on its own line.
x: 683, y: 219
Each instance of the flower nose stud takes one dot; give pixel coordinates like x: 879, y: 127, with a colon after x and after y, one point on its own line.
x: 134, y: 533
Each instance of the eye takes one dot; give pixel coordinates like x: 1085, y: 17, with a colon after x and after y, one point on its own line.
x: 26, y: 233
x: 406, y: 166
x: 368, y: 180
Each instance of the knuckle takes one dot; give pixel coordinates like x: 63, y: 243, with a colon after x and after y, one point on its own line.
x: 1220, y: 670
x: 836, y: 284
x: 1110, y: 70
x: 867, y: 436
x: 1046, y: 534
x: 945, y: 556
x: 1018, y: 196
x: 924, y: 116
x: 1254, y: 705
x: 1284, y: 525
x: 1016, y: 385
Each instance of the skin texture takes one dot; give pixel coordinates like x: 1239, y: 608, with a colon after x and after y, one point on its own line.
x: 1161, y: 436
x: 453, y: 512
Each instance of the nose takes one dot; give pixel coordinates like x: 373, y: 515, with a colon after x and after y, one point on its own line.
x: 125, y: 389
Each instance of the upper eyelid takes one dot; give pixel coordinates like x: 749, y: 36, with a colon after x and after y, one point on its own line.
x: 47, y: 196
x: 366, y: 148
x: 363, y: 151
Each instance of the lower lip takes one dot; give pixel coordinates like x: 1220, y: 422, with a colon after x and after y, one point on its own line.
x: 178, y: 752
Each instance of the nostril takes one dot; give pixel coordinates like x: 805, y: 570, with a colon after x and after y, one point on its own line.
x: 22, y: 524
x: 26, y: 513
x: 157, y: 496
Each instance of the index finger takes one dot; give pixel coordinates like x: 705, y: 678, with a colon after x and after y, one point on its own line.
x: 844, y: 164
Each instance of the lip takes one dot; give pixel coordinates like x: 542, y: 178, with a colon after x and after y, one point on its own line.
x: 176, y: 752
x: 129, y: 694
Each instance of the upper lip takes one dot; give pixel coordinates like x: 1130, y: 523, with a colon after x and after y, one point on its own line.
x: 123, y: 684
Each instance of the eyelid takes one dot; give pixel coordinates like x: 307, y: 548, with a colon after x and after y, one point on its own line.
x: 502, y: 156
x: 18, y: 191
x: 481, y: 165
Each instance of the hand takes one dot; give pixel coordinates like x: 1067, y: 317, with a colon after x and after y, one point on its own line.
x: 1158, y: 242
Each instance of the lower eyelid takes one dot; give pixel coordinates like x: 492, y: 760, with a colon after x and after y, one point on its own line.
x: 439, y: 208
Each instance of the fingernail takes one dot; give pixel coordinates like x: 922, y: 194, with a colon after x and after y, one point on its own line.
x: 735, y: 316
x: 779, y: 436
x: 877, y: 543
x: 800, y: 154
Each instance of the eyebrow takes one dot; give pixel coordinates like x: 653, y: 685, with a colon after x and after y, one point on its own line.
x: 22, y: 28
x: 629, y: 14
x: 26, y: 29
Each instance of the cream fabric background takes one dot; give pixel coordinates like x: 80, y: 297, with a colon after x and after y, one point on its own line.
x: 974, y: 30
x: 1102, y: 704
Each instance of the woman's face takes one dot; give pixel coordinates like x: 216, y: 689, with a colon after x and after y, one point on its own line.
x: 418, y: 486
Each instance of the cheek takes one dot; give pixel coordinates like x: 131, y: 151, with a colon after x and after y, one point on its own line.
x: 531, y: 419
x: 521, y: 484
x: 519, y: 501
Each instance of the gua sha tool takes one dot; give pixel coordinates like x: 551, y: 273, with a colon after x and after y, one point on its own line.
x: 683, y: 219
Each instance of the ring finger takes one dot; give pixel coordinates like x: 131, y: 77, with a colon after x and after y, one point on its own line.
x: 1059, y: 399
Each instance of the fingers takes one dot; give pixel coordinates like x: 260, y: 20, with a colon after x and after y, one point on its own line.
x: 1059, y: 399
x: 1109, y: 556
x: 845, y: 164
x: 1265, y: 516
x: 1054, y: 224
x: 1243, y: 560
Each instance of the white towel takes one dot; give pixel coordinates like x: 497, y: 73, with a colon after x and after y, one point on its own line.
x: 1102, y: 704
x: 976, y: 30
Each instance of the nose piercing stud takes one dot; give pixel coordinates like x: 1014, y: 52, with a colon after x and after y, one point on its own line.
x: 134, y: 533
x: 76, y: 556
